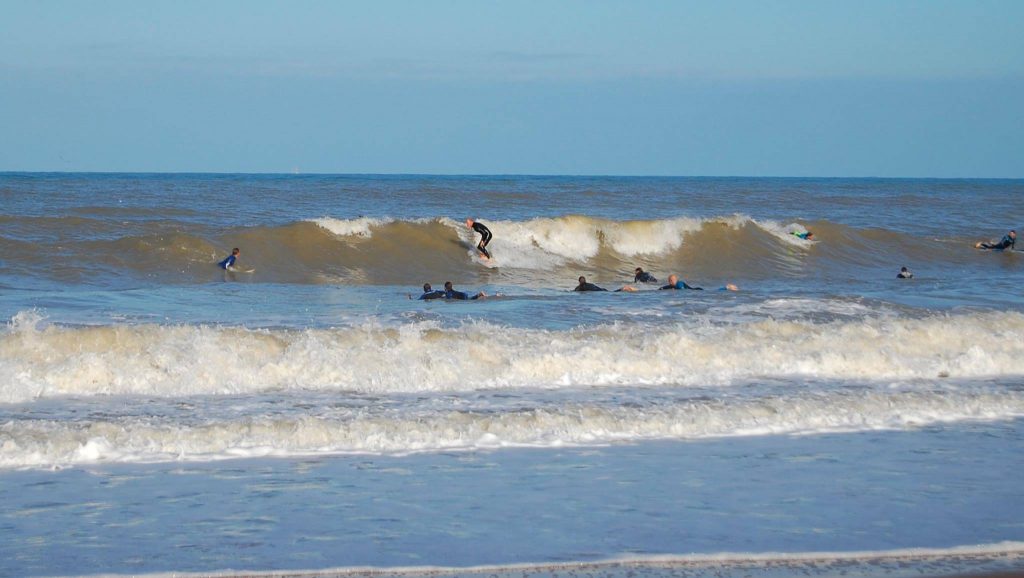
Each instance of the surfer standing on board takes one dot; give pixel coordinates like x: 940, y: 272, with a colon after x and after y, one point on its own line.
x: 485, y: 236
x: 229, y: 263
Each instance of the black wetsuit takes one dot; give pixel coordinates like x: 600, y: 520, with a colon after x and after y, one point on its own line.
x: 904, y: 275
x: 453, y: 294
x: 1006, y: 242
x: 681, y: 285
x: 432, y: 295
x: 485, y: 237
x: 588, y: 287
x: 644, y: 277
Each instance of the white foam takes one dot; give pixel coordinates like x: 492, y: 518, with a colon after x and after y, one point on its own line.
x: 169, y: 361
x: 359, y: 227
x: 545, y: 242
x: 133, y: 438
x: 785, y: 232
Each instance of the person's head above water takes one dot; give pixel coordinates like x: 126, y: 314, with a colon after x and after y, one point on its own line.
x: 638, y: 271
x: 1013, y: 234
x: 447, y: 285
x: 469, y: 222
x: 583, y: 280
x: 903, y: 269
x: 426, y: 287
x: 673, y: 279
x: 236, y: 251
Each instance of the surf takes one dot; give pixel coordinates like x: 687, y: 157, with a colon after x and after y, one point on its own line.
x: 533, y: 252
x: 40, y: 360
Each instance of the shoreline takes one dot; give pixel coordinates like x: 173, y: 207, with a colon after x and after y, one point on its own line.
x: 1000, y: 560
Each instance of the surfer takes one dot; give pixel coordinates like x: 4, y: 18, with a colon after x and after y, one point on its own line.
x: 641, y: 276
x: 904, y: 274
x: 806, y: 235
x: 1007, y: 242
x: 429, y: 293
x: 229, y: 263
x: 675, y: 283
x: 450, y: 293
x: 584, y: 286
x: 485, y: 236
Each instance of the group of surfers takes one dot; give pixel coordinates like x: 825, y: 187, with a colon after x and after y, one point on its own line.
x: 1008, y: 242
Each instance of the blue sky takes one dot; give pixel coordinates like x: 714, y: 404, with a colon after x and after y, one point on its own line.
x: 815, y: 88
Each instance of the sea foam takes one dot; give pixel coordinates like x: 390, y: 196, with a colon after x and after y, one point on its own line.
x: 40, y: 361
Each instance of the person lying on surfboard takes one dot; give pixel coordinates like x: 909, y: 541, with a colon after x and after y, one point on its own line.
x: 451, y: 293
x: 428, y: 293
x: 674, y: 282
x: 229, y: 263
x: 641, y: 276
x: 584, y: 286
x: 485, y: 236
x: 1007, y: 242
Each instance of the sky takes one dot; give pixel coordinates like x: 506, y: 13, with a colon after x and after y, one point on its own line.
x: 894, y: 88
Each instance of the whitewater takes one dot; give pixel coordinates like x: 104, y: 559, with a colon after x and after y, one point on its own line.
x: 315, y: 416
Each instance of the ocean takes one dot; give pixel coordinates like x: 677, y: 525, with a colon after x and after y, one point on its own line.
x: 306, y: 413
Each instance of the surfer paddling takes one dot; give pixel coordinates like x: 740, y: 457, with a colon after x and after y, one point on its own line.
x: 485, y: 236
x: 641, y: 276
x: 429, y: 293
x: 1007, y: 242
x: 228, y: 264
x: 674, y: 282
x: 451, y: 293
x: 585, y: 286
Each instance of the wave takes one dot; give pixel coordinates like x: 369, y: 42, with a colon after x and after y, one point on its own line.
x: 396, y: 251
x: 38, y: 361
x: 107, y: 438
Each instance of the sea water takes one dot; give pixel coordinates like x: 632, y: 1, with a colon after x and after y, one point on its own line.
x: 159, y: 414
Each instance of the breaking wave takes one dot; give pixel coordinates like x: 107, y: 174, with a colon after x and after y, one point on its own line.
x: 38, y: 361
x: 391, y: 251
x: 109, y: 438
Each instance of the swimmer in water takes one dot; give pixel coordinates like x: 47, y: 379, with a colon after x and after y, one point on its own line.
x: 1008, y: 241
x: 229, y: 263
x: 904, y: 274
x: 675, y: 283
x: 485, y: 236
x: 806, y: 235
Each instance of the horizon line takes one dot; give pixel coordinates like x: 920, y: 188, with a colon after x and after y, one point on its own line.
x: 521, y: 175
